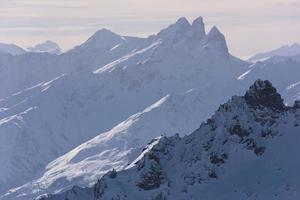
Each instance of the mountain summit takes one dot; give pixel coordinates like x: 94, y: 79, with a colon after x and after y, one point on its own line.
x: 263, y: 94
x: 183, y: 33
x: 46, y: 47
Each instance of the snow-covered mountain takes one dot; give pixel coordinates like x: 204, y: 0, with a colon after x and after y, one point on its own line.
x: 46, y: 47
x: 11, y: 49
x: 116, y: 148
x: 77, y: 95
x: 247, y: 150
x: 286, y: 51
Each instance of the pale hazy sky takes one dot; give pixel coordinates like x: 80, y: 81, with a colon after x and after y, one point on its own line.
x: 250, y: 26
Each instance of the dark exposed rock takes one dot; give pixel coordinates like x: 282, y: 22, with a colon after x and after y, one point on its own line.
x: 112, y: 173
x: 259, y: 151
x: 151, y: 180
x: 99, y: 188
x: 216, y: 159
x: 212, y: 174
x: 297, y: 104
x: 238, y: 130
x: 263, y: 94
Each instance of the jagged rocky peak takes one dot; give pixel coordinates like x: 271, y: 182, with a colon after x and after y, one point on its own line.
x: 217, y: 40
x: 182, y: 23
x: 263, y: 94
x: 182, y: 29
x: 198, y: 27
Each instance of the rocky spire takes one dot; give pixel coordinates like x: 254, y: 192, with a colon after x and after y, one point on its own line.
x: 216, y: 40
x: 198, y: 27
x: 263, y: 94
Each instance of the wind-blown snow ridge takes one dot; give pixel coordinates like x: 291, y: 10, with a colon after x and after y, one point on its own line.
x: 110, y: 66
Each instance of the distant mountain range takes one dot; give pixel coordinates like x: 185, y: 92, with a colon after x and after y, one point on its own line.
x: 11, y: 49
x: 69, y: 118
x: 284, y: 51
x: 46, y: 47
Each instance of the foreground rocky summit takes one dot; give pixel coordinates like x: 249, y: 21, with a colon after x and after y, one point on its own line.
x: 246, y: 150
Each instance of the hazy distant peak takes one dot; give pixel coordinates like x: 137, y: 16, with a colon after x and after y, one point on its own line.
x: 217, y: 40
x: 286, y: 50
x: 214, y: 32
x: 11, y: 49
x: 183, y: 29
x: 46, y: 47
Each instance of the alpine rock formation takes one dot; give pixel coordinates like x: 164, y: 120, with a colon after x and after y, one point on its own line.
x: 62, y: 101
x: 247, y: 150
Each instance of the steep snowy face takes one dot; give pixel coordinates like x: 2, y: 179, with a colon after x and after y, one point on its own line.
x: 84, y: 165
x: 286, y: 51
x: 60, y: 113
x: 243, y: 151
x: 11, y: 49
x: 46, y: 47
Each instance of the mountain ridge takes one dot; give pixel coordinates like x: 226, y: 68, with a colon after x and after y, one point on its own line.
x: 225, y: 148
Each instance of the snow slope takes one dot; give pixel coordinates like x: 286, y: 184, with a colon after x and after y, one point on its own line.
x: 246, y: 150
x: 286, y: 51
x: 85, y: 164
x: 46, y: 47
x: 11, y: 49
x: 74, y: 103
